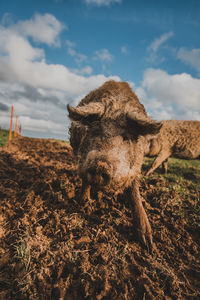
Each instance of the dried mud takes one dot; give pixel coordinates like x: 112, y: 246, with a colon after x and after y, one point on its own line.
x: 56, y: 246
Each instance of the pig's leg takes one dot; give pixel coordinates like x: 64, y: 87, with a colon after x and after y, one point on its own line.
x: 162, y: 156
x: 164, y: 166
x: 142, y: 222
x: 85, y: 190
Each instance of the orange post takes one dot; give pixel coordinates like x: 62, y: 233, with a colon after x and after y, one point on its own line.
x: 16, y: 127
x: 11, y: 120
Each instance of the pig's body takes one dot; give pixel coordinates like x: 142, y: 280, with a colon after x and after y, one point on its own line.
x: 109, y: 135
x: 176, y: 138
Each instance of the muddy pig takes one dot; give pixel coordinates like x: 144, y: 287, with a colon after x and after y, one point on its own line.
x: 176, y: 138
x: 109, y: 134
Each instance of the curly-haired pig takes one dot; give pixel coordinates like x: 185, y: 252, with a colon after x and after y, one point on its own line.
x: 109, y: 134
x: 176, y: 138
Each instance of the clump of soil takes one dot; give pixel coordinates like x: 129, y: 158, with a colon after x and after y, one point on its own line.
x: 54, y: 245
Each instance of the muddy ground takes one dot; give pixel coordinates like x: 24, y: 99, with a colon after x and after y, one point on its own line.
x: 56, y: 246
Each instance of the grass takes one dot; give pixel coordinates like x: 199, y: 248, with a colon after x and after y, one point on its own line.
x: 61, y: 142
x: 179, y: 170
x: 4, y: 136
x: 183, y: 181
x: 23, y: 254
x: 22, y: 251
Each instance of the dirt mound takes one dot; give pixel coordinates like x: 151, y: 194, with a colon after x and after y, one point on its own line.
x: 56, y: 246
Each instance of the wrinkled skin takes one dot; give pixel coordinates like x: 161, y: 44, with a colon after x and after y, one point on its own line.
x: 109, y: 144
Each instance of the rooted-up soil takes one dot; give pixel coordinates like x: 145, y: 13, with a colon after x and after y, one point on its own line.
x: 54, y: 245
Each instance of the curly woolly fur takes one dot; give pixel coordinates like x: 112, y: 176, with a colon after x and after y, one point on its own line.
x: 109, y: 134
x: 176, y: 138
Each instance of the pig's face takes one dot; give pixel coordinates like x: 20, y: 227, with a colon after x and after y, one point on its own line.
x: 110, y: 151
x: 108, y: 157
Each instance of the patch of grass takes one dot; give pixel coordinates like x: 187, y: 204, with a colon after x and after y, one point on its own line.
x: 23, y: 254
x: 61, y: 142
x: 178, y: 169
x: 4, y: 136
x: 22, y: 251
x: 183, y: 182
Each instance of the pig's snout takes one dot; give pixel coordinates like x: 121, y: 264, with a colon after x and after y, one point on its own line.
x: 99, y: 173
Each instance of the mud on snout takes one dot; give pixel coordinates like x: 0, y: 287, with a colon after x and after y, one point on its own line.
x: 107, y: 171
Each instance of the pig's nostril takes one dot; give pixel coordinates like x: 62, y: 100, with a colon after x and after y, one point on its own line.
x: 98, y: 174
x: 91, y: 174
x: 105, y: 177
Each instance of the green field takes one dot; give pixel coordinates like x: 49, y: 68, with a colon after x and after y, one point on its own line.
x: 4, y: 136
x: 182, y: 182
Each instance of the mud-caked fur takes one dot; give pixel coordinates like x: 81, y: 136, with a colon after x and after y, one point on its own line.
x: 176, y: 138
x: 109, y: 134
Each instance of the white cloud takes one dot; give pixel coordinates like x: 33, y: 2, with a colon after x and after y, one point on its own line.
x: 132, y: 84
x: 23, y: 49
x: 71, y: 51
x: 103, y: 55
x: 70, y: 44
x: 21, y: 62
x: 78, y: 57
x: 190, y: 57
x: 86, y: 70
x: 38, y: 90
x: 7, y: 19
x: 170, y: 96
x: 102, y: 2
x: 156, y: 45
x: 124, y: 50
x: 42, y: 28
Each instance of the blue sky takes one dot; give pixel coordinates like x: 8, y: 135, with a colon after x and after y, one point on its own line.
x: 53, y: 52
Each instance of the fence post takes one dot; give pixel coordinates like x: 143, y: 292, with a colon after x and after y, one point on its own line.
x: 11, y: 120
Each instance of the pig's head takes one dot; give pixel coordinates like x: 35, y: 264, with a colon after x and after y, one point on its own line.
x: 154, y: 147
x: 109, y: 142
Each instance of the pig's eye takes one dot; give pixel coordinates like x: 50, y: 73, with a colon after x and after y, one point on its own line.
x: 125, y: 137
x: 91, y: 119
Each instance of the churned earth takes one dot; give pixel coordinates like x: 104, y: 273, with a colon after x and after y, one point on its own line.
x: 54, y: 245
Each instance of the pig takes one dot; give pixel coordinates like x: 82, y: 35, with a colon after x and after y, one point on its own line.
x: 176, y: 138
x: 109, y: 133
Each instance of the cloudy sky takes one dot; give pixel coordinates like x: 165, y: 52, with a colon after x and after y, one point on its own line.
x: 53, y: 52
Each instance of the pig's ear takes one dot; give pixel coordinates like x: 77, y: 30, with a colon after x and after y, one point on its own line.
x: 152, y: 128
x: 144, y: 126
x: 86, y: 113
